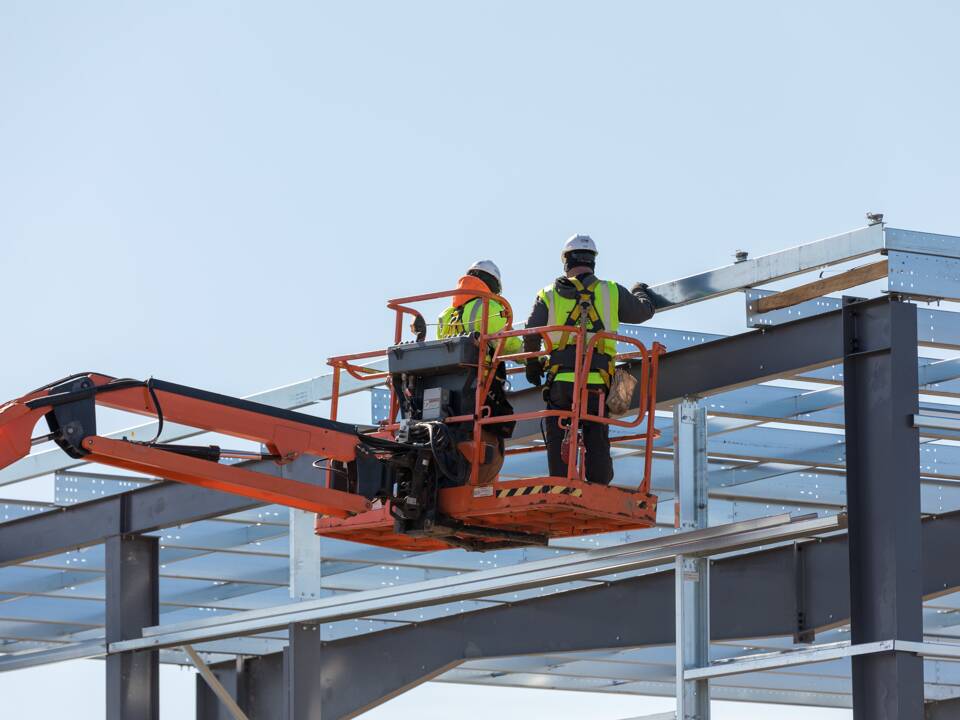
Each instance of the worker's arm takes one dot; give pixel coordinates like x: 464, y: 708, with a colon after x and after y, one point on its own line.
x: 538, y: 318
x: 635, y: 304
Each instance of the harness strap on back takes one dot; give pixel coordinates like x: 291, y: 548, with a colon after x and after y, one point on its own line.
x: 584, y: 300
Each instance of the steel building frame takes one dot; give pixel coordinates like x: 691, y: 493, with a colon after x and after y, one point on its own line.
x: 814, y: 579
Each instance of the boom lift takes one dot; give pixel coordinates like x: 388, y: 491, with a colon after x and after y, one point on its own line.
x: 426, y: 479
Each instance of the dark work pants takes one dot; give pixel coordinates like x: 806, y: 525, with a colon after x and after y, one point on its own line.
x: 596, y: 436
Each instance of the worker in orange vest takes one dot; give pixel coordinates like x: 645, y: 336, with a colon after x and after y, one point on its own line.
x: 463, y: 317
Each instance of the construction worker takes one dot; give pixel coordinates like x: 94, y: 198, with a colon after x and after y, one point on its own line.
x: 463, y: 317
x: 601, y: 305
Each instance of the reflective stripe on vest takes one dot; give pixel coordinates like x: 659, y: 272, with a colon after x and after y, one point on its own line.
x: 473, y: 316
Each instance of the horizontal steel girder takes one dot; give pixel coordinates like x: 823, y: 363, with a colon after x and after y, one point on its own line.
x: 368, y: 669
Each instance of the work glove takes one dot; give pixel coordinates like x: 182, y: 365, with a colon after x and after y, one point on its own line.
x: 642, y: 291
x: 534, y: 372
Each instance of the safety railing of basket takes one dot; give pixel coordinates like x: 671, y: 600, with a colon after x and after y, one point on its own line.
x: 488, y: 362
x: 649, y: 363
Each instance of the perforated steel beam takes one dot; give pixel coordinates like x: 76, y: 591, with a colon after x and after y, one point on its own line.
x: 144, y: 510
x: 729, y: 363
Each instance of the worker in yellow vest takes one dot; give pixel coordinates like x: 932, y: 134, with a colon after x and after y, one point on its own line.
x: 576, y: 298
x: 463, y: 317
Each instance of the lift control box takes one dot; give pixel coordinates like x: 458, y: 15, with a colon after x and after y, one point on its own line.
x: 434, y: 357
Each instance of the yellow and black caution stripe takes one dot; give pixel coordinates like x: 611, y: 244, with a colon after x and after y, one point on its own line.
x: 540, y: 490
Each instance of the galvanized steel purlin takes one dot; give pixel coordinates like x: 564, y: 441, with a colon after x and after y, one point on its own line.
x: 597, y: 555
x: 942, y: 651
x: 921, y: 243
x: 716, y: 540
x: 770, y: 268
x: 652, y: 687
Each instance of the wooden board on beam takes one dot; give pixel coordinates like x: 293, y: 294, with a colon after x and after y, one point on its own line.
x: 819, y: 288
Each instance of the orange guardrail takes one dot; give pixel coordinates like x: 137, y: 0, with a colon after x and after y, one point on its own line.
x: 585, y: 343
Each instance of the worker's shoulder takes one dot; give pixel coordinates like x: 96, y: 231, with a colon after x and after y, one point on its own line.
x: 612, y: 284
x: 547, y: 289
x: 495, y: 305
x: 608, y: 282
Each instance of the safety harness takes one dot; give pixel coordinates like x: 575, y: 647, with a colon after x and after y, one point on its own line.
x: 585, y: 314
x: 455, y: 324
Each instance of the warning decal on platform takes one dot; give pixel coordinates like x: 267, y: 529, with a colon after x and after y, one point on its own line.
x: 540, y: 490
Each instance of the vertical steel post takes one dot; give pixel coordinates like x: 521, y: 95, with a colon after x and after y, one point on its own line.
x: 883, y: 496
x: 692, y: 575
x: 305, y: 574
x: 303, y: 673
x: 132, y: 603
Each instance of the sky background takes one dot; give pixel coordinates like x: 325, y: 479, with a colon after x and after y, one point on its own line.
x: 225, y: 193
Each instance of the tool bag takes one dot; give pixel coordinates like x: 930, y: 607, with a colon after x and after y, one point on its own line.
x: 623, y: 388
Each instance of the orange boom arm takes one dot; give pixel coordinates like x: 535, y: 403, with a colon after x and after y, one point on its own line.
x: 69, y: 407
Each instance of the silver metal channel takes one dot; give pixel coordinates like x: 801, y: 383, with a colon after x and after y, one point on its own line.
x: 77, y: 651
x: 837, y: 651
x: 935, y: 422
x: 691, y: 574
x: 554, y: 571
x: 770, y: 268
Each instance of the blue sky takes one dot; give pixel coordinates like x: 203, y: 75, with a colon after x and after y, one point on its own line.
x: 224, y: 193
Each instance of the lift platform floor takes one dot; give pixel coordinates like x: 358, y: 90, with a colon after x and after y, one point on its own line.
x: 509, y: 513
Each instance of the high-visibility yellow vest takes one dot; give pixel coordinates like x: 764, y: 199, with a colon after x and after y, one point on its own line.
x: 601, y: 304
x: 465, y: 320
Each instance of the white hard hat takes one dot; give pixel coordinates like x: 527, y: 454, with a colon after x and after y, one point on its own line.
x: 578, y: 242
x: 487, y: 266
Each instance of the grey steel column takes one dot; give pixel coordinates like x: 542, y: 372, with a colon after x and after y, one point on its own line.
x: 883, y: 496
x: 691, y: 575
x: 304, y: 673
x: 132, y: 603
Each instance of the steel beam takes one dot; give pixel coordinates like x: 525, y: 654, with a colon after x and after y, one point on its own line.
x: 309, y: 695
x: 752, y: 595
x: 729, y: 363
x: 133, y: 584
x: 769, y: 268
x: 255, y: 683
x: 691, y: 574
x: 139, y: 511
x: 491, y: 583
x: 883, y: 492
x: 344, y: 678
x: 942, y: 710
